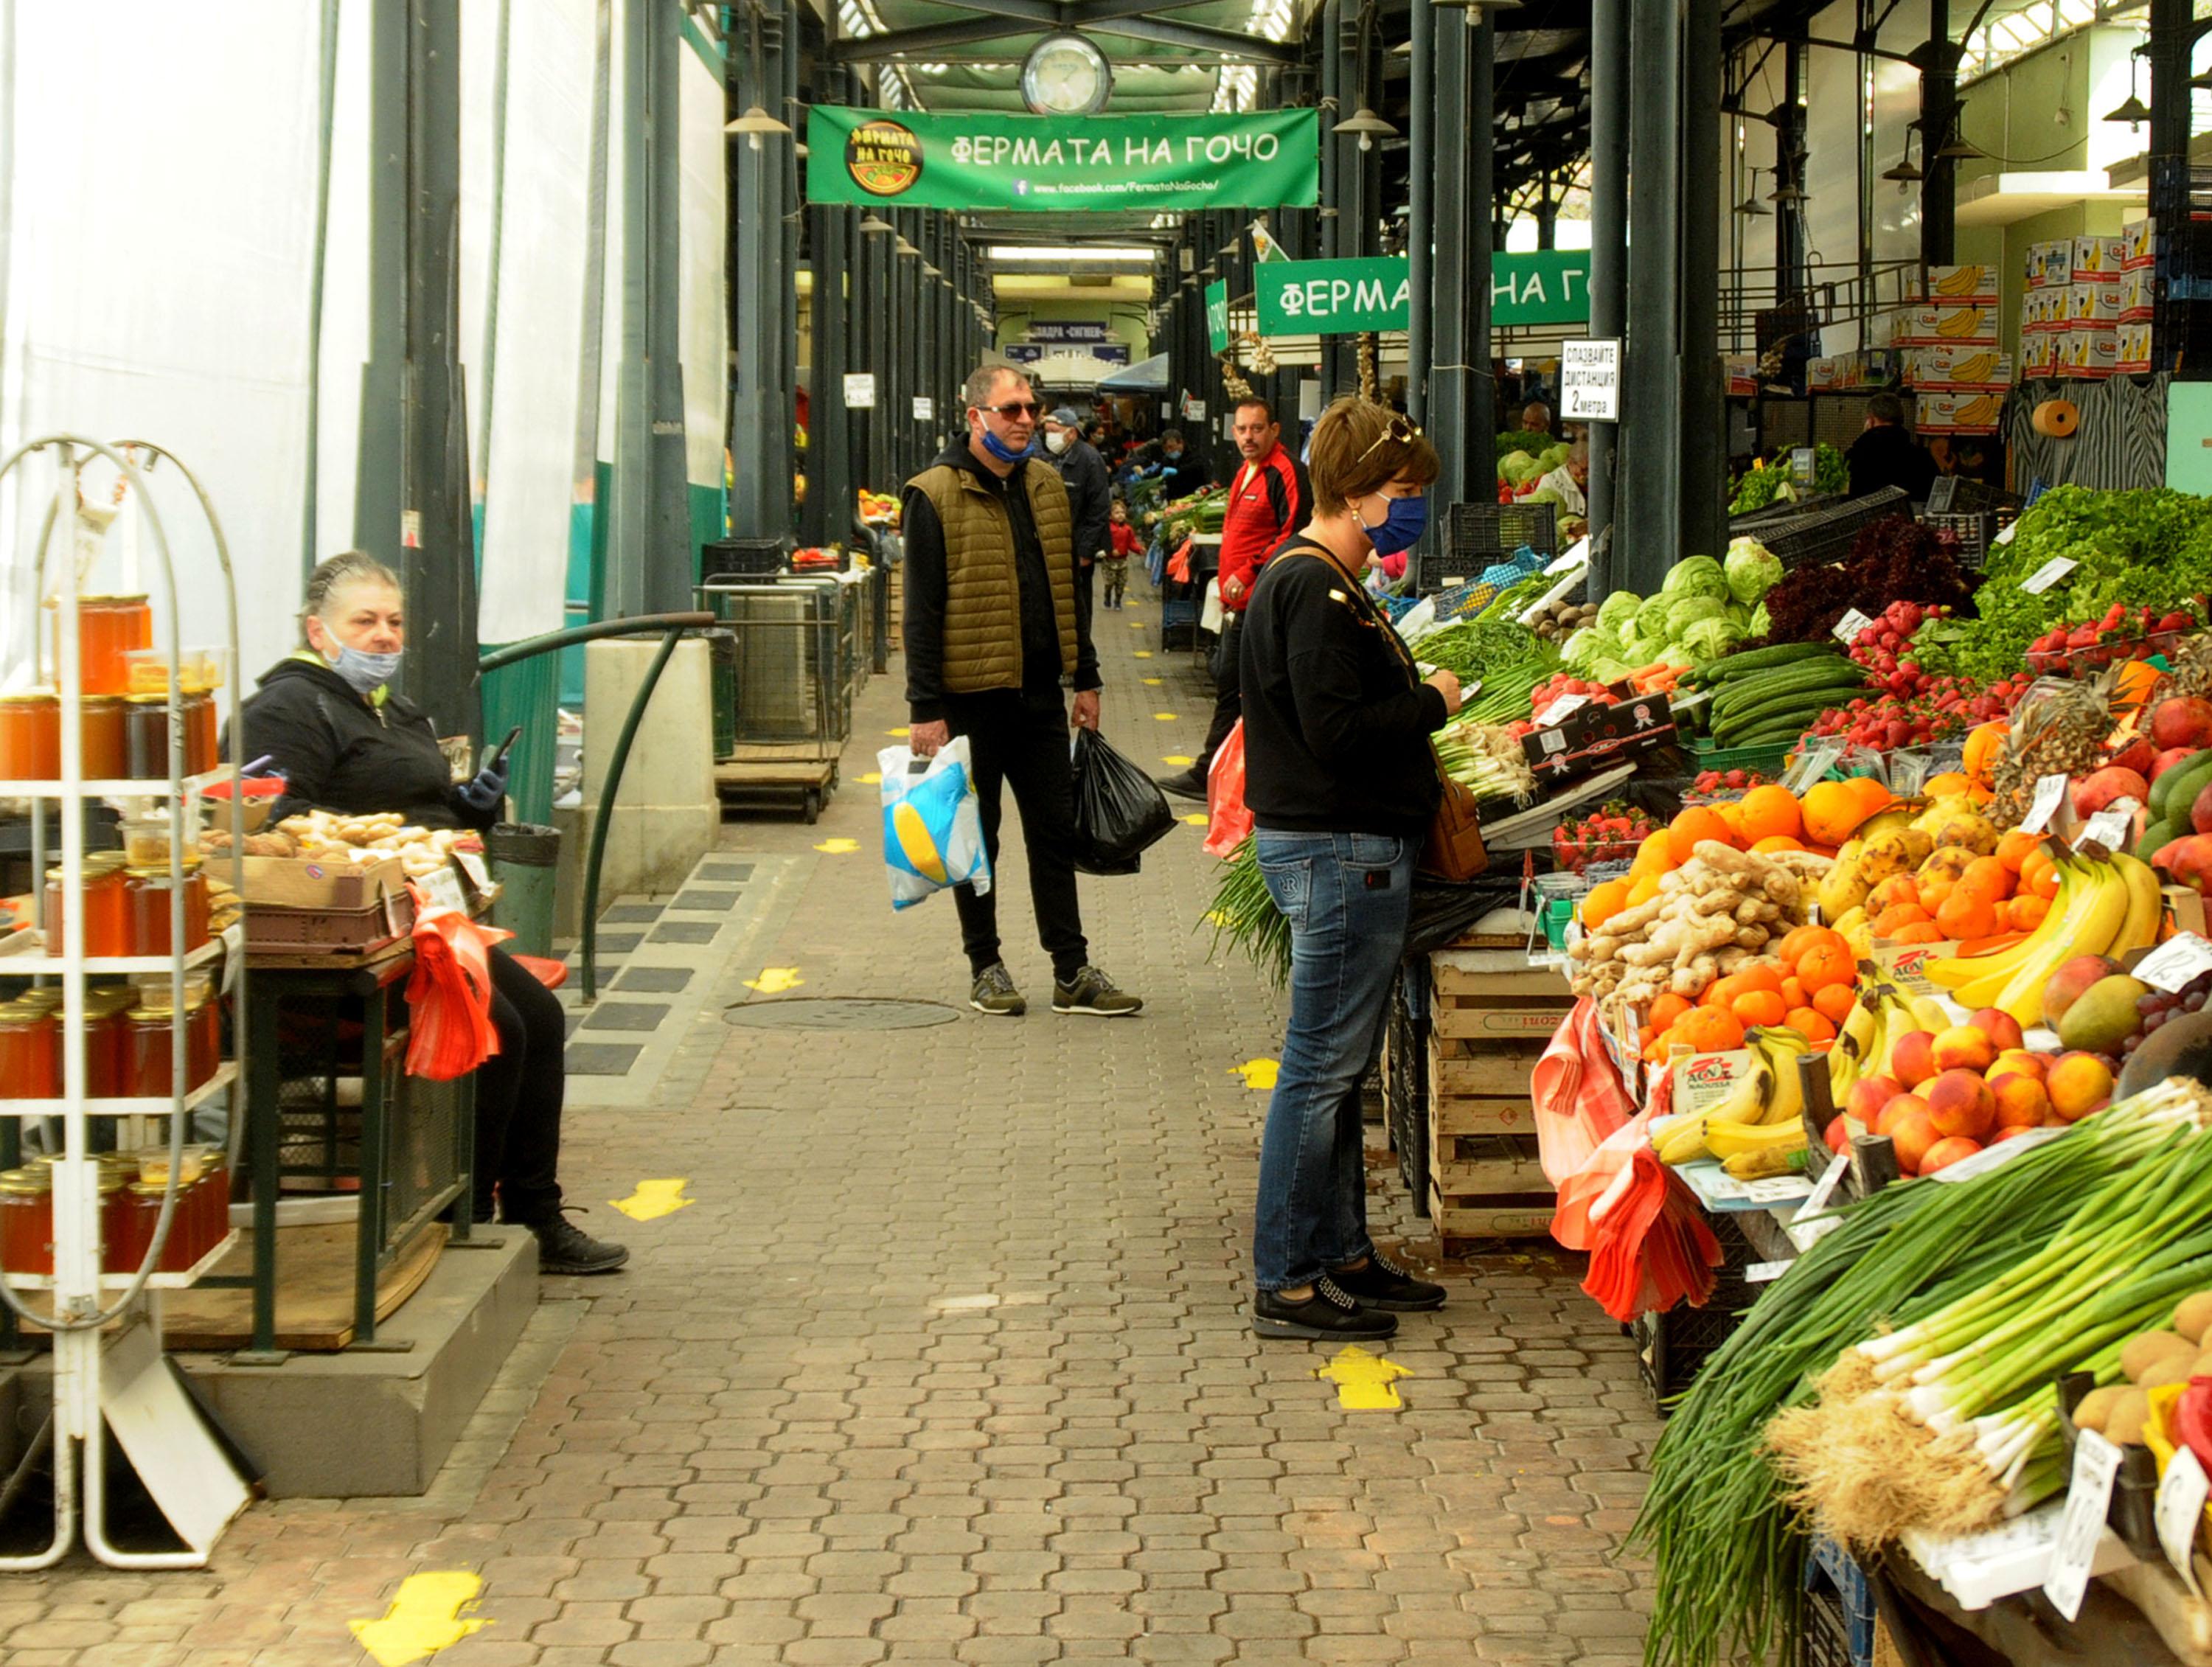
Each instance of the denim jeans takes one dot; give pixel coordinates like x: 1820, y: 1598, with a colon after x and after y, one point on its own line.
x: 1348, y: 897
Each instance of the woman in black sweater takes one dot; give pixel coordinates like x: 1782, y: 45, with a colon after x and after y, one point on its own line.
x: 327, y: 721
x: 1341, y: 784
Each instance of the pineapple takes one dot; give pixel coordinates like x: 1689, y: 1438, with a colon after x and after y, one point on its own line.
x: 2061, y: 732
x: 2192, y: 668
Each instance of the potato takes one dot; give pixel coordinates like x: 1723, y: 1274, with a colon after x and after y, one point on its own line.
x: 2125, y: 1423
x: 2171, y: 1368
x: 2096, y: 1408
x: 2194, y: 1315
x: 2140, y: 1352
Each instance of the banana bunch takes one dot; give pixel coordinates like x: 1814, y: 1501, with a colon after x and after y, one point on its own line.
x: 2103, y: 908
x: 1982, y: 408
x: 1960, y: 281
x: 1884, y: 1013
x: 1960, y: 322
x: 1763, y: 1112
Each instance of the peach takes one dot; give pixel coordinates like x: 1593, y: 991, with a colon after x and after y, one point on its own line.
x: 1910, y: 1137
x: 1837, y: 1135
x: 1912, y: 1058
x: 1963, y: 1048
x: 1896, y: 1110
x: 1960, y: 1103
x: 1999, y: 1026
x: 2004, y: 1134
x: 1945, y: 1152
x: 1869, y: 1095
x: 2019, y: 1062
x: 2021, y: 1102
x: 2079, y: 1083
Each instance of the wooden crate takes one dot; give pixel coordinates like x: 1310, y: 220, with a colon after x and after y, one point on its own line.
x: 1464, y: 1221
x: 1495, y: 996
x: 1491, y: 1015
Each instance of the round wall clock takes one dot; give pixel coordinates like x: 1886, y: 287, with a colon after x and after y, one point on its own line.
x: 1065, y: 74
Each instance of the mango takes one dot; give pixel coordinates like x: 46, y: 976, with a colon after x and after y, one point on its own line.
x: 2103, y: 1016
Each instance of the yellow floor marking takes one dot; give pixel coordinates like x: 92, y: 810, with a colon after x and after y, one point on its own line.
x: 901, y: 733
x: 654, y: 1199
x: 873, y: 778
x: 1364, y: 1381
x: 1199, y: 819
x: 424, y: 1618
x: 1136, y: 624
x: 1178, y: 760
x: 1143, y: 654
x: 1257, y: 1073
x: 1151, y: 682
x: 838, y: 847
x: 774, y: 981
x: 1163, y: 717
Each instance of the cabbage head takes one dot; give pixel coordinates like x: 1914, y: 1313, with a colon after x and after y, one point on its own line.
x: 1740, y: 613
x: 1643, y: 650
x: 1697, y: 575
x: 1519, y: 467
x: 1544, y: 495
x: 1614, y: 671
x: 1655, y: 619
x: 1711, y: 639
x: 1552, y: 456
x: 1688, y: 611
x: 1760, y: 625
x: 1751, y: 568
x: 1618, y: 609
x: 1678, y: 657
x: 1582, y: 649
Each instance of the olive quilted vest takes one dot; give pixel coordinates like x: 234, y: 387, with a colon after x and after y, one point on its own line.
x: 982, y: 585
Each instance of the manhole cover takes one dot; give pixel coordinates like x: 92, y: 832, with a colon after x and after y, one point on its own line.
x: 856, y: 1013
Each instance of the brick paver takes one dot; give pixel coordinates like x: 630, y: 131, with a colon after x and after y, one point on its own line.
x: 948, y: 1363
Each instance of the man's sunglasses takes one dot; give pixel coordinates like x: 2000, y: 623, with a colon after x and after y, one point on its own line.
x: 1015, y: 409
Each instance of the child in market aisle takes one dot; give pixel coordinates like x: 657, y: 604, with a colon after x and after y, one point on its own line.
x: 1126, y: 544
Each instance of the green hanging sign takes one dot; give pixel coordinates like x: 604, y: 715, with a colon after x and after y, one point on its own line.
x: 1051, y: 165
x: 1342, y: 297
x: 1217, y: 314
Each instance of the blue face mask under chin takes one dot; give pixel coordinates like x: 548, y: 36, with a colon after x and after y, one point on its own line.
x: 1006, y: 454
x: 1401, y: 528
x: 364, y: 673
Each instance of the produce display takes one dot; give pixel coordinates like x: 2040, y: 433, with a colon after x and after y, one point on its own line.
x: 1894, y: 559
x: 328, y: 837
x: 1703, y: 611
x: 1766, y: 483
x: 1555, y: 621
x: 1770, y: 697
x: 1519, y: 470
x: 1201, y: 512
x: 1611, y: 833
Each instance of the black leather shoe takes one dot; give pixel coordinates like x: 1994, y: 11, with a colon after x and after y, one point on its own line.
x: 564, y: 1249
x: 1330, y: 1315
x: 1189, y: 784
x: 1382, y: 1284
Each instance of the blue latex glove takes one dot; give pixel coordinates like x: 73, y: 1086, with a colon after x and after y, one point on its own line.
x: 487, y: 792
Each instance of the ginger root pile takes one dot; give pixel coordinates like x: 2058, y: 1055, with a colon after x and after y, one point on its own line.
x: 1711, y: 915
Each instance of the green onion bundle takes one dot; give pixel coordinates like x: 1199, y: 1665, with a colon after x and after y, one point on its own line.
x: 1508, y: 693
x: 1487, y: 759
x: 1244, y: 913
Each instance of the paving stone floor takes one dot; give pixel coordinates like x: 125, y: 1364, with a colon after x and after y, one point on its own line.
x: 948, y: 1362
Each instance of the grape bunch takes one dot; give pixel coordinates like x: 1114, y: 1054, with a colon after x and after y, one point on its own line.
x: 2154, y: 1008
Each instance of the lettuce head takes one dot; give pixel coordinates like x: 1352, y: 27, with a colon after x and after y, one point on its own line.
x: 1751, y: 568
x: 1614, y: 613
x: 1697, y: 575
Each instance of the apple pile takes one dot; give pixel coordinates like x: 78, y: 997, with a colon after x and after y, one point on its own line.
x: 1948, y: 1094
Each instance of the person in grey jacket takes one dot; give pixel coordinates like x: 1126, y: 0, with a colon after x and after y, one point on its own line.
x: 1089, y: 498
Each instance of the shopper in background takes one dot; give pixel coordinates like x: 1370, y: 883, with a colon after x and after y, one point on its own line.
x: 1342, y: 784
x: 1571, y: 480
x: 1126, y: 542
x: 1536, y: 416
x: 1183, y: 471
x: 1886, y: 454
x: 1268, y: 500
x: 991, y: 626
x: 329, y: 721
x: 1083, y: 471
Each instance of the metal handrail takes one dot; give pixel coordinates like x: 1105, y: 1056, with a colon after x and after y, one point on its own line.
x: 672, y: 626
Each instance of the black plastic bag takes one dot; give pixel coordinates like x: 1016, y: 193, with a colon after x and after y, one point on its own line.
x: 1118, y: 809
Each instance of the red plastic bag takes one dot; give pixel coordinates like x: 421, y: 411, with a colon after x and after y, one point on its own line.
x: 450, y: 1031
x: 1228, y: 824
x: 1179, y: 564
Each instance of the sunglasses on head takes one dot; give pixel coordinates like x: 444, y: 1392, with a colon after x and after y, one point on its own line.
x: 1014, y: 410
x: 1401, y: 429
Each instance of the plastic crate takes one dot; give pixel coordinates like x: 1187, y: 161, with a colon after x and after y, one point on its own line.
x: 1481, y: 535
x: 1974, y: 531
x: 1839, y: 1610
x: 1769, y: 760
x: 1960, y: 494
x: 1671, y: 1347
x: 1817, y: 537
x: 741, y: 558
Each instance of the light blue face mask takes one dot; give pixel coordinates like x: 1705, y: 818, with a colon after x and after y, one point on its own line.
x: 364, y: 673
x: 1006, y: 454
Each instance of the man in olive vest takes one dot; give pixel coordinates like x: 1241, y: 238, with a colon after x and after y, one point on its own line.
x: 992, y: 627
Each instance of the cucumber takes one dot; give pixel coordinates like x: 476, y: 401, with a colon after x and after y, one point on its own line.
x: 1816, y: 699
x: 1759, y: 660
x: 2163, y: 789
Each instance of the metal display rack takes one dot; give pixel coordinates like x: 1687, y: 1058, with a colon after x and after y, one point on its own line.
x: 109, y: 1373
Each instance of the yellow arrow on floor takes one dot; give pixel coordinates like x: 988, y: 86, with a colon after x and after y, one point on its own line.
x: 1136, y: 624
x: 900, y: 734
x: 1178, y: 760
x: 1151, y: 682
x: 1257, y: 1073
x: 1163, y: 717
x: 873, y: 778
x: 1143, y: 654
x: 774, y: 981
x: 1197, y: 820
x: 839, y: 847
x: 1364, y: 1381
x: 654, y: 1199
x: 424, y: 1618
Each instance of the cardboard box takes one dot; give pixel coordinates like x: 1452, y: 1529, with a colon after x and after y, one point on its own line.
x: 2131, y: 350
x: 1905, y: 964
x: 280, y: 882
x: 2094, y: 303
x: 1741, y: 374
x: 1945, y: 326
x: 1936, y: 370
x: 2050, y: 264
x: 2140, y: 240
x: 2098, y: 259
x: 1823, y: 373
x: 2048, y: 309
x: 1960, y: 286
x: 1959, y: 413
x: 2138, y: 297
x: 2088, y: 354
x: 1703, y: 1081
x: 2038, y: 355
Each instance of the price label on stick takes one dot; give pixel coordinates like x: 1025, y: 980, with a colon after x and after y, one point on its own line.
x: 2176, y: 963
x: 2109, y: 827
x: 2181, y: 1493
x: 1849, y: 627
x: 2048, y: 574
x: 1561, y: 709
x: 1577, y: 555
x: 1763, y: 1272
x: 1831, y: 1178
x: 2050, y: 793
x: 2096, y: 1467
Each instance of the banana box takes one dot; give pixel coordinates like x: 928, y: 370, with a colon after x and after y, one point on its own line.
x: 2093, y: 304
x: 2138, y: 293
x: 2049, y: 264
x: 1939, y: 369
x: 1959, y: 413
x: 2141, y: 237
x: 1955, y: 286
x: 2038, y: 355
x: 1944, y: 326
x: 1824, y: 372
x: 1703, y: 1081
x: 2098, y: 259
x: 1905, y: 965
x: 2044, y: 309
x: 1741, y: 374
x: 2089, y: 353
x: 2132, y: 348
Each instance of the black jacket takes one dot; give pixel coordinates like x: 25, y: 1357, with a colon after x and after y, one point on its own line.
x: 1336, y: 724
x: 923, y: 590
x: 1889, y: 456
x: 337, y: 752
x: 1090, y: 496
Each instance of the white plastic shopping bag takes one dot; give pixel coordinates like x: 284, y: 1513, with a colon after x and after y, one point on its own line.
x: 933, y: 828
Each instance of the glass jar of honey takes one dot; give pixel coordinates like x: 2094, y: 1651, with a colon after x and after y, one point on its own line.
x: 30, y: 1053
x: 107, y: 628
x: 106, y: 912
x: 152, y: 1037
x: 107, y: 1042
x: 30, y: 736
x: 148, y: 892
x: 26, y: 1221
x: 99, y: 718
x: 146, y: 738
x: 201, y: 732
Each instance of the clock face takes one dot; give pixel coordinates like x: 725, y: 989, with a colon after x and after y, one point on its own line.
x: 1065, y: 76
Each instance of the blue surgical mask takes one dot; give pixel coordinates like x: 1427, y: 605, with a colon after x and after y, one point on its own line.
x: 1006, y: 454
x: 1401, y: 528
x: 364, y: 673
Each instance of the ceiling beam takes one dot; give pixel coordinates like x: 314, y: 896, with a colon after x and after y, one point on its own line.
x: 1117, y: 17
x: 883, y: 48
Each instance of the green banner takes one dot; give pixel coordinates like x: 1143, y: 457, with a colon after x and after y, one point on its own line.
x: 1217, y: 314
x: 1049, y: 165
x: 1340, y: 297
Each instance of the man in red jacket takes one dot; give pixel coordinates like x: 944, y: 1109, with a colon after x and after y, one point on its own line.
x: 1268, y: 501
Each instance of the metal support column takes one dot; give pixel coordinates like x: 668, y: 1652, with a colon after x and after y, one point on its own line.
x: 1481, y: 188
x: 827, y: 515
x: 1703, y: 400
x: 1462, y: 445
x: 1338, y: 99
x: 1938, y: 108
x: 1651, y: 419
x: 761, y: 292
x: 1789, y: 171
x: 1609, y: 79
x: 412, y: 506
x: 1418, y: 263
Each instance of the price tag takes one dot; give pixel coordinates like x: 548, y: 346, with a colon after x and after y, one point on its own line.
x: 2176, y: 963
x: 1825, y: 1188
x: 1561, y: 709
x: 1577, y: 555
x: 2109, y: 827
x: 472, y: 865
x: 1849, y: 627
x: 2096, y: 1467
x: 2050, y: 793
x: 2004, y: 535
x: 443, y: 887
x: 1765, y: 1273
x: 2181, y: 1493
x: 1811, y: 764
x: 2047, y: 576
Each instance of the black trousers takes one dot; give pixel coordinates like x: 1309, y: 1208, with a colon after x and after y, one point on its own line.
x: 1228, y: 700
x: 1020, y: 740
x: 518, y: 1094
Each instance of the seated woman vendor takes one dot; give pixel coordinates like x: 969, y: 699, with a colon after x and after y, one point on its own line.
x: 328, y: 720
